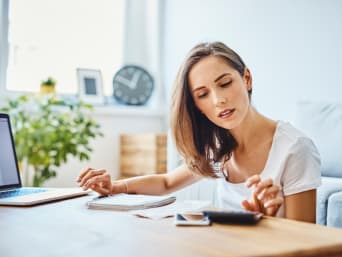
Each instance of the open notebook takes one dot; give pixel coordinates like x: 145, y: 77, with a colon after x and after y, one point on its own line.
x: 127, y: 202
x: 11, y: 190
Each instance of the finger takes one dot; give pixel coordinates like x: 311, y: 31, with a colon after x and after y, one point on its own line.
x: 258, y: 206
x: 102, y: 184
x: 262, y: 185
x: 83, y: 173
x: 274, y: 207
x: 247, y: 206
x: 90, y: 174
x: 255, y: 179
x: 269, y: 192
x: 100, y: 190
x: 99, y: 180
x: 276, y: 202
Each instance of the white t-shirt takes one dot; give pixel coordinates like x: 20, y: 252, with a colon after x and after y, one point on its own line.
x: 293, y: 163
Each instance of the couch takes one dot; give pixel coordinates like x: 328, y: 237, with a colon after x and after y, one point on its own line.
x: 323, y: 123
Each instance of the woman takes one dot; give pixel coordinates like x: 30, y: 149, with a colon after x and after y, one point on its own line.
x: 262, y: 165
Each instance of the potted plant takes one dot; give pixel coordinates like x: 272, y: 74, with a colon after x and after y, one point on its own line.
x: 47, y: 131
x: 48, y: 86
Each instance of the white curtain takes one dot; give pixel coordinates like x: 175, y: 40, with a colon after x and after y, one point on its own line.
x: 3, y: 43
x: 142, y: 39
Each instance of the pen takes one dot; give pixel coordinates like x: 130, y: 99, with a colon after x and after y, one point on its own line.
x: 100, y: 196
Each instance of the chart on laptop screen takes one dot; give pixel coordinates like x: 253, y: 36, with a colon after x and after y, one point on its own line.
x: 8, y: 168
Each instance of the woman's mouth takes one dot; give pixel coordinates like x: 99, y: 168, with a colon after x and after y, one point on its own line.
x: 226, y: 113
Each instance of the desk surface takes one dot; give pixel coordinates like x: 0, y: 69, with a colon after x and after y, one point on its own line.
x: 67, y: 228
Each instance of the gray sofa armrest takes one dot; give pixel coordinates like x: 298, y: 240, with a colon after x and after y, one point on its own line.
x: 334, y: 218
x: 329, y: 187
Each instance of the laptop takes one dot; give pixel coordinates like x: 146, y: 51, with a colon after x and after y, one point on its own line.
x: 11, y: 190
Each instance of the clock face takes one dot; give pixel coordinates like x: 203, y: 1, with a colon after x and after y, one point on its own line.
x: 132, y: 85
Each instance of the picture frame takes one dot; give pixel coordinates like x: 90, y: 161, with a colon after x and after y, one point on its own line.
x: 90, y: 86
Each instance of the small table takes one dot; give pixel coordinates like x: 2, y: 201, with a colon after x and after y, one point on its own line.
x: 68, y: 228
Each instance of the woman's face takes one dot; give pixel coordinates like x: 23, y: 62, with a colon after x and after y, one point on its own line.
x: 220, y: 92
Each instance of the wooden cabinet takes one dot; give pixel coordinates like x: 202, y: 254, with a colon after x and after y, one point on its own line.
x: 142, y: 154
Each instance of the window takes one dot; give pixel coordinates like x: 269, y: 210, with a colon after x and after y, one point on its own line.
x: 55, y: 37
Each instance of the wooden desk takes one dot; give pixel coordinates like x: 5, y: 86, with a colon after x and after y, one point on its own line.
x: 68, y: 228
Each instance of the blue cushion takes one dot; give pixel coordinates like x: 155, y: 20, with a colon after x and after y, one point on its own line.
x: 325, y: 191
x: 323, y: 123
x: 334, y: 218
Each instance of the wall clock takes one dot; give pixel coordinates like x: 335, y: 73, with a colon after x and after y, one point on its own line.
x: 132, y: 85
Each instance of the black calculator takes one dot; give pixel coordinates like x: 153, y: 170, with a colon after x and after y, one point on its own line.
x: 233, y: 217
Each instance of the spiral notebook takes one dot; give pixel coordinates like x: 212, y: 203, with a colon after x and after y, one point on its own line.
x: 128, y: 202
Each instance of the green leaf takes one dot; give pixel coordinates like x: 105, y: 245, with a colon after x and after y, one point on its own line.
x: 48, y: 129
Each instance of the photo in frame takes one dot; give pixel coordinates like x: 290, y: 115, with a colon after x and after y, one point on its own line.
x: 90, y: 86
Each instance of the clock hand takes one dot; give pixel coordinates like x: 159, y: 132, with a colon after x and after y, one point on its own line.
x: 135, y: 79
x: 123, y: 81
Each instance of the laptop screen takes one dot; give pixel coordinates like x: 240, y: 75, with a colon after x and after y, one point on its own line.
x: 9, y: 175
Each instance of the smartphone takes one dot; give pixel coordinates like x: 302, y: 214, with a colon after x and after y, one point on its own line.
x: 191, y: 219
x: 233, y: 217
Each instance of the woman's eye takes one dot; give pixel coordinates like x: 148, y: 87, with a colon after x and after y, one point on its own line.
x: 202, y: 95
x: 226, y: 84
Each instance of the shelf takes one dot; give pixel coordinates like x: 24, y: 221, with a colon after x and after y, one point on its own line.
x: 112, y: 108
x: 128, y: 110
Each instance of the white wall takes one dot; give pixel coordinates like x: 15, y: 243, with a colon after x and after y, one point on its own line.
x: 293, y: 47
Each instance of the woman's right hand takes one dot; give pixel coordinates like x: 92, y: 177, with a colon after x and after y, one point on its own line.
x: 98, y: 180
x: 265, y: 197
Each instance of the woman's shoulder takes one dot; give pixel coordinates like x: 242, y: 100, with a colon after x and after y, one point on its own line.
x: 295, y: 139
x: 286, y: 129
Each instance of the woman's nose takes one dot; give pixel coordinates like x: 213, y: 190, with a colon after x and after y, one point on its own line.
x: 219, y: 99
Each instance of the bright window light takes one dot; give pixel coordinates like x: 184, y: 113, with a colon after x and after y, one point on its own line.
x: 55, y: 37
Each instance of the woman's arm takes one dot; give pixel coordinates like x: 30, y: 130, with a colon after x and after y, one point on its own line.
x: 162, y: 183
x: 301, y: 206
x: 100, y: 181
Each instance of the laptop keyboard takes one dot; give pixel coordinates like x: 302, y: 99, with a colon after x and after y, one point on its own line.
x: 21, y: 191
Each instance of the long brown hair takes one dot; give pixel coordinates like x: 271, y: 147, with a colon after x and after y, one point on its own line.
x: 197, y: 139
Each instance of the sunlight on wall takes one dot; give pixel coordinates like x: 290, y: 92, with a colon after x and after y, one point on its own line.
x: 54, y: 38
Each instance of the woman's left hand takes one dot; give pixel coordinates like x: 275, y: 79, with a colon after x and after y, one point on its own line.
x: 265, y: 196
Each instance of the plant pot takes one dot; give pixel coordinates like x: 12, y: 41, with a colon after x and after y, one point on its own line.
x: 47, y: 89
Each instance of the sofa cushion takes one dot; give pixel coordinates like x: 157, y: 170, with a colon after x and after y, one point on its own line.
x: 334, y: 217
x: 325, y: 191
x: 323, y: 123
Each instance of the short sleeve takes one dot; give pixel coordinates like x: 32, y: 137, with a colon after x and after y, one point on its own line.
x: 302, y: 171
